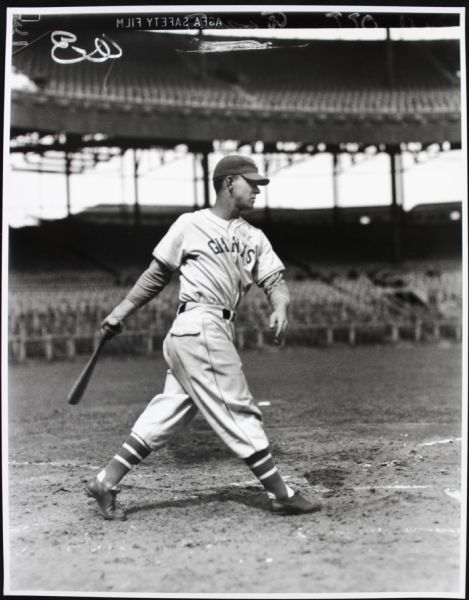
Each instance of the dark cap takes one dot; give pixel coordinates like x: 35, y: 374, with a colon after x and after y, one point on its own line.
x: 239, y: 165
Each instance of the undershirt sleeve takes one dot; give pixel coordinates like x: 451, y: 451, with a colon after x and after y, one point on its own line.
x: 150, y: 283
x: 276, y: 290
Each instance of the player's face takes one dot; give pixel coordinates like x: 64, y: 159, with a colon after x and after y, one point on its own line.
x: 244, y: 193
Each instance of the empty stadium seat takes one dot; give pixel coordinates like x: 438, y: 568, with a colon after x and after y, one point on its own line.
x: 327, y: 77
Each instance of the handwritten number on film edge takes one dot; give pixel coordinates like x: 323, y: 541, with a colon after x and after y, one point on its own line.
x: 62, y: 40
x: 365, y: 22
x: 272, y: 20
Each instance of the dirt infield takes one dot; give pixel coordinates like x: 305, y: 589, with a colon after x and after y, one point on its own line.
x: 375, y: 431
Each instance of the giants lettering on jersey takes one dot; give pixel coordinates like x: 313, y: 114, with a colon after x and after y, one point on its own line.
x: 219, y: 245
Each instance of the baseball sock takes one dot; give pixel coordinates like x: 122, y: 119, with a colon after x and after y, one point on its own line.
x: 263, y: 467
x: 132, y: 452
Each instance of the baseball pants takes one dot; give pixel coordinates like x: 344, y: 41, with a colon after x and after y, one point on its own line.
x: 205, y: 373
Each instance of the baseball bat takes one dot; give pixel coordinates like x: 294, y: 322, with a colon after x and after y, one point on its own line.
x: 78, y: 389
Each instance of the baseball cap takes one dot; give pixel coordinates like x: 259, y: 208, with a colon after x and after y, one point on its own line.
x: 235, y: 164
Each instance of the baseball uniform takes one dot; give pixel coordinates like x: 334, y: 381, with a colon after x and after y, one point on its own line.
x: 218, y: 262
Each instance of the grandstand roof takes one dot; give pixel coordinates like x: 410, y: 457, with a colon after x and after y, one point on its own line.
x: 163, y: 90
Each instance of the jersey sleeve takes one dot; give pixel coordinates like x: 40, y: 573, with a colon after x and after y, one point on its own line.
x: 170, y: 249
x: 267, y: 261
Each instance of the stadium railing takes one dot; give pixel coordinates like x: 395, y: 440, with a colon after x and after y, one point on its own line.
x: 62, y: 321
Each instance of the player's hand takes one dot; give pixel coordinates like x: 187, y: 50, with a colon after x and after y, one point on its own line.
x: 279, y: 321
x: 111, y: 326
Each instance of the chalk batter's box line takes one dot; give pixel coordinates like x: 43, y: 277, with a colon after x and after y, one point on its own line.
x: 94, y: 467
x: 62, y: 465
x: 447, y: 441
x: 454, y: 493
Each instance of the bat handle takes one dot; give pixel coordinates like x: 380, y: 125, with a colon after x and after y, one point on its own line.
x: 109, y: 331
x: 102, y: 340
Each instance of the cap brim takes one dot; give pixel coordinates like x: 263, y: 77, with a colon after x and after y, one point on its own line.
x: 256, y: 178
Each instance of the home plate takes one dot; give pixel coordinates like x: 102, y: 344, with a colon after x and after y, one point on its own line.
x: 263, y: 403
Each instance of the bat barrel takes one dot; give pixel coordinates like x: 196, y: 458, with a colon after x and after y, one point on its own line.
x: 80, y: 385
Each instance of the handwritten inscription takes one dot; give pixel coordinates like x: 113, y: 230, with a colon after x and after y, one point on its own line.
x: 406, y: 21
x: 270, y: 19
x: 17, y: 29
x: 17, y: 25
x: 104, y: 49
x: 365, y: 21
x: 275, y: 19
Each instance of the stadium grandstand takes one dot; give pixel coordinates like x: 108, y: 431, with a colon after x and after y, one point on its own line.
x: 357, y: 274
x: 184, y: 96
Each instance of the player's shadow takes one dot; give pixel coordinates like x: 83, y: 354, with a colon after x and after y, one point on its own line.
x: 248, y: 496
x: 197, y: 443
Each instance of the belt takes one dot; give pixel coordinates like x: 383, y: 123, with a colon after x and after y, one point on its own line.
x: 227, y: 314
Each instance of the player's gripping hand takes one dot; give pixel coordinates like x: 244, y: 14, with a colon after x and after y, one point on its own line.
x: 111, y: 326
x: 279, y: 321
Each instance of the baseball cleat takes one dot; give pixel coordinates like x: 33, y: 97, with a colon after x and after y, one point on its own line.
x: 106, y: 500
x: 296, y: 505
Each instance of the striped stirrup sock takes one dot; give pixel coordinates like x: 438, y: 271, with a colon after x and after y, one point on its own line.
x: 132, y: 452
x: 262, y: 465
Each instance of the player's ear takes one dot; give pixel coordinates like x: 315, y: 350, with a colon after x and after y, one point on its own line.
x: 229, y: 183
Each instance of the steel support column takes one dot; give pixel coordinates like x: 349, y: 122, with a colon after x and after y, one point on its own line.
x: 206, y: 179
x: 136, y: 198
x: 266, y: 190
x: 395, y: 211
x: 68, y: 170
x: 335, y: 187
x: 195, y: 180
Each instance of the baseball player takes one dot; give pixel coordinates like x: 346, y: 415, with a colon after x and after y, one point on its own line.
x: 219, y: 256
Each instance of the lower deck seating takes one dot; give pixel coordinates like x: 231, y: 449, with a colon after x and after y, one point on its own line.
x: 76, y: 307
